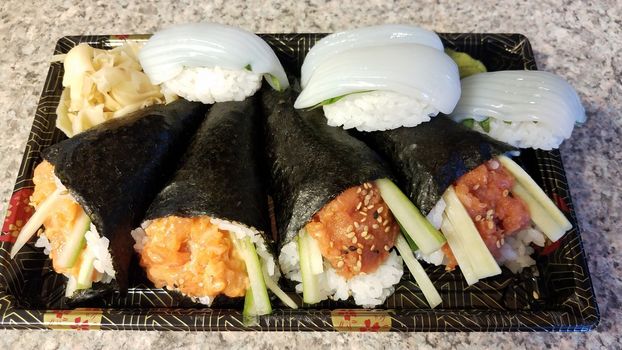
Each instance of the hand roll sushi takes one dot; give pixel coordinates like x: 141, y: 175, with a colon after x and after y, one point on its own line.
x: 210, y: 62
x: 92, y: 189
x: 383, y: 80
x: 207, y: 232
x: 527, y: 109
x: 488, y: 208
x: 334, y: 210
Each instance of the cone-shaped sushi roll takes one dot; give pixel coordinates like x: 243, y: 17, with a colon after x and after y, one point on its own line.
x: 380, y: 80
x: 206, y: 233
x: 364, y: 37
x: 527, y: 109
x: 210, y: 62
x: 336, y: 231
x: 93, y: 189
x: 486, y: 205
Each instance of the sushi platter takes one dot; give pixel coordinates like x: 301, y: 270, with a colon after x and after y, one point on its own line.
x: 274, y: 240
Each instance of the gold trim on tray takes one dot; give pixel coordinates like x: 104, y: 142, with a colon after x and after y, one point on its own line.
x: 78, y: 319
x: 353, y: 320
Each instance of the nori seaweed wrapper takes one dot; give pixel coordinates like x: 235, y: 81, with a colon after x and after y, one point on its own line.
x: 428, y: 158
x: 220, y: 175
x: 115, y: 169
x: 310, y: 162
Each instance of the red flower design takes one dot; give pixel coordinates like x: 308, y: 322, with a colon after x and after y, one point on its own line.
x: 79, y: 325
x: 369, y: 327
x: 347, y: 314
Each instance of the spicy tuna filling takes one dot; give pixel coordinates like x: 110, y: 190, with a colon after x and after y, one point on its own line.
x: 194, y: 256
x: 355, y: 231
x: 486, y: 194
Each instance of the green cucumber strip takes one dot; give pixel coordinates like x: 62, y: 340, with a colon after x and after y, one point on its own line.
x: 75, y: 242
x: 459, y: 251
x: 411, y: 243
x: 422, y: 279
x: 274, y: 82
x: 246, y: 248
x: 485, y: 124
x: 468, y: 123
x: 332, y: 100
x: 545, y: 223
x: 310, y: 283
x: 85, y: 276
x: 420, y: 230
x: 535, y: 191
x: 315, y: 254
x: 36, y: 220
x: 248, y: 67
x: 481, y: 259
x: 278, y: 291
x: 249, y: 313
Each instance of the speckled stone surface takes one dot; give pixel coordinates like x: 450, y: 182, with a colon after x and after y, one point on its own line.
x: 580, y: 40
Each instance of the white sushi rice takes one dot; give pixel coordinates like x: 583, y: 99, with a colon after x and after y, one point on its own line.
x: 378, y: 110
x: 43, y: 242
x: 98, y: 246
x: 209, y: 85
x: 240, y: 231
x: 515, y: 253
x: 368, y: 290
x: 523, y: 134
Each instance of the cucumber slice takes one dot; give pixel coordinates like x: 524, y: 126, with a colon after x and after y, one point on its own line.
x: 540, y: 216
x: 411, y: 243
x: 420, y: 230
x: 249, y: 313
x: 75, y: 242
x: 474, y: 247
x: 310, y: 283
x: 246, y: 248
x: 536, y: 192
x: 422, y: 279
x: 459, y: 251
x: 315, y: 254
x: 85, y: 276
x: 71, y: 286
x: 36, y: 220
x: 277, y: 291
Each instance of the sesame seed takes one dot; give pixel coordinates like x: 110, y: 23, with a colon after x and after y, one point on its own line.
x: 359, y: 251
x: 340, y: 264
x: 356, y: 224
x: 502, y: 241
x: 358, y: 190
x: 490, y: 225
x: 364, y: 233
x: 372, y: 247
x: 363, y: 213
x: 367, y: 185
x: 350, y: 228
x: 478, y: 218
x: 350, y: 234
x: 475, y: 187
x: 375, y: 226
x: 358, y: 206
x: 506, y: 193
x: 354, y: 240
x: 332, y: 244
x: 386, y: 222
x: 387, y: 229
x: 366, y: 200
x: 359, y: 245
x: 490, y: 212
x: 535, y: 295
x: 370, y: 206
x: 498, y: 244
x: 379, y: 219
x: 364, y: 192
x: 363, y: 219
x: 344, y: 247
x: 200, y: 284
x: 359, y: 264
x: 380, y: 210
x: 387, y: 248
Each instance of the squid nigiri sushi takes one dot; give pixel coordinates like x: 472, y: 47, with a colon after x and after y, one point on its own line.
x: 210, y: 62
x: 527, y: 109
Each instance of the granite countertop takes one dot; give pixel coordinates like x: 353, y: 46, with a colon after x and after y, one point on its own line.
x: 579, y: 40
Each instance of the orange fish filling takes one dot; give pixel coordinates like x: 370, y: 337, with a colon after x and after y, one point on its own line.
x: 486, y: 193
x: 355, y: 231
x: 59, y: 224
x: 193, y: 256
